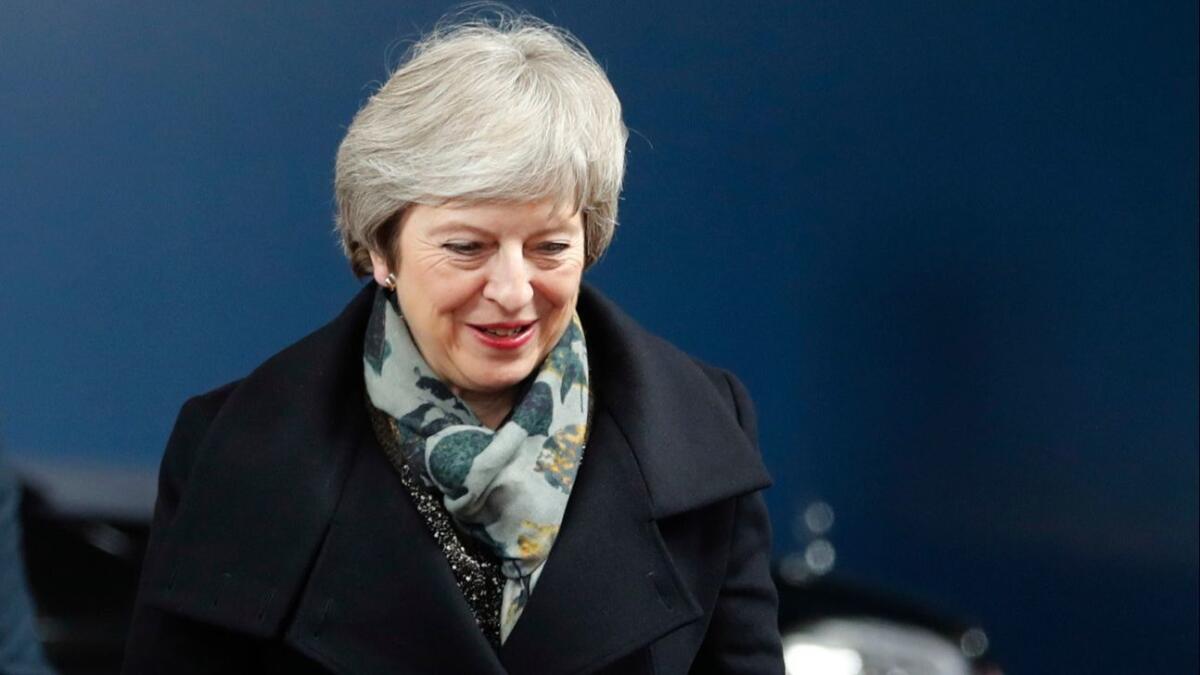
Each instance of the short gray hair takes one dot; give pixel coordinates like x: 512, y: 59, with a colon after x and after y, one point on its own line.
x: 499, y: 108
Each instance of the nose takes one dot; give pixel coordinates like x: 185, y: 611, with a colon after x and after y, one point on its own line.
x: 509, y: 283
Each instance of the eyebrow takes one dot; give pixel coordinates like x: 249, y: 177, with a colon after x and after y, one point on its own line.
x: 464, y: 225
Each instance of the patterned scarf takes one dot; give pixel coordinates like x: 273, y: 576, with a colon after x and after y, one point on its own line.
x: 506, y: 488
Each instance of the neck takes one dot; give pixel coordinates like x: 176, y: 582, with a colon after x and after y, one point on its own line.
x: 490, y: 408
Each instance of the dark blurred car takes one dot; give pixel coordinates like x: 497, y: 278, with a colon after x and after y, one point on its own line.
x: 86, y: 530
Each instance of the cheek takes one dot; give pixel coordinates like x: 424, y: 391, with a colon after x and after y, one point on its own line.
x: 560, y: 290
x: 457, y: 293
x: 438, y: 298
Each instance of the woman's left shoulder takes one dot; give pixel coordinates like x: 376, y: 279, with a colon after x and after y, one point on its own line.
x: 674, y: 383
x: 735, y: 393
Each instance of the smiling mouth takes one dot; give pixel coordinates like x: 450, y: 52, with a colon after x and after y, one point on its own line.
x: 503, y: 330
x: 503, y: 333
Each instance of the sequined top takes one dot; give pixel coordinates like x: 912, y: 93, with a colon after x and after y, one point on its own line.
x: 475, y: 570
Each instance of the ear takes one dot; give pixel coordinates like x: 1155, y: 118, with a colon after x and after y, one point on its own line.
x: 379, y: 268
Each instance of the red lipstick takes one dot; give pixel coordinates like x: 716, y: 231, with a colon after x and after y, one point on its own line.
x: 504, y: 334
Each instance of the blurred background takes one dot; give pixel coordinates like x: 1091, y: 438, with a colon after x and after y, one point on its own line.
x: 950, y: 247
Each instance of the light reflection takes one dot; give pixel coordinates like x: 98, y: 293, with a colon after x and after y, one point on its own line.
x: 794, y: 569
x: 820, y: 556
x: 806, y: 658
x: 818, y: 517
x: 882, y: 647
x: 974, y: 643
x: 814, y: 520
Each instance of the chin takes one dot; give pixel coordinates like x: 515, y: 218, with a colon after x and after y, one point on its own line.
x: 502, y: 378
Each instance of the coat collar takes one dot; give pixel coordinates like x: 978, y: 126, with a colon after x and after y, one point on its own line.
x: 610, y: 585
x: 669, y: 408
x: 271, y: 520
x: 263, y: 484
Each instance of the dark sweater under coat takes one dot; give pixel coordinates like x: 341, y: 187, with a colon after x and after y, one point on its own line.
x: 283, y: 540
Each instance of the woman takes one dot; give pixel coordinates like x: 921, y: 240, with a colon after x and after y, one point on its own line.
x: 480, y: 466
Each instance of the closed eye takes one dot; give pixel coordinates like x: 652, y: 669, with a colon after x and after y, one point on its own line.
x: 463, y: 248
x: 552, y: 247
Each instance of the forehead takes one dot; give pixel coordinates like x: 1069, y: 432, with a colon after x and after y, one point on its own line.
x: 494, y: 217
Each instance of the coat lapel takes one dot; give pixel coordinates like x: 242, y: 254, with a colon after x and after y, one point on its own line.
x: 294, y: 523
x: 381, y: 597
x: 665, y: 439
x: 609, y: 586
x: 679, y: 419
x: 263, y: 483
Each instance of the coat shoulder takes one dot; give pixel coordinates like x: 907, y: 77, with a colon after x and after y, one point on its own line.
x: 204, y: 407
x: 737, y: 396
x: 240, y: 454
x: 195, y: 418
x: 691, y: 425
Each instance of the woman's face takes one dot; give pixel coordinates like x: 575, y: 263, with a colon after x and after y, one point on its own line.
x: 486, y: 289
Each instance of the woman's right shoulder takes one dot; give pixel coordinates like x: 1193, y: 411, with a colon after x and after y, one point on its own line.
x: 208, y: 403
x: 195, y: 417
x: 200, y: 410
x: 299, y: 393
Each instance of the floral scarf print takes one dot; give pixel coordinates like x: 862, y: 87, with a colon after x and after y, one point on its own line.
x: 507, y: 488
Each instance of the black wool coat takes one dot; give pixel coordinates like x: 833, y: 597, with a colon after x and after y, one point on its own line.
x: 283, y: 540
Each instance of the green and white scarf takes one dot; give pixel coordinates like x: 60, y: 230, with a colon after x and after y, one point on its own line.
x: 506, y: 488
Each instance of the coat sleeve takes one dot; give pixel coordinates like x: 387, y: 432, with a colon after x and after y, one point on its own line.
x: 159, y: 641
x: 743, y: 634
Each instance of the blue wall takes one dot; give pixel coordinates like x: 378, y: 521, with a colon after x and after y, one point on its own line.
x: 951, y: 247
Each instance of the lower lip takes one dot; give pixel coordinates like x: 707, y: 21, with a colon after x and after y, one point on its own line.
x: 496, y: 342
